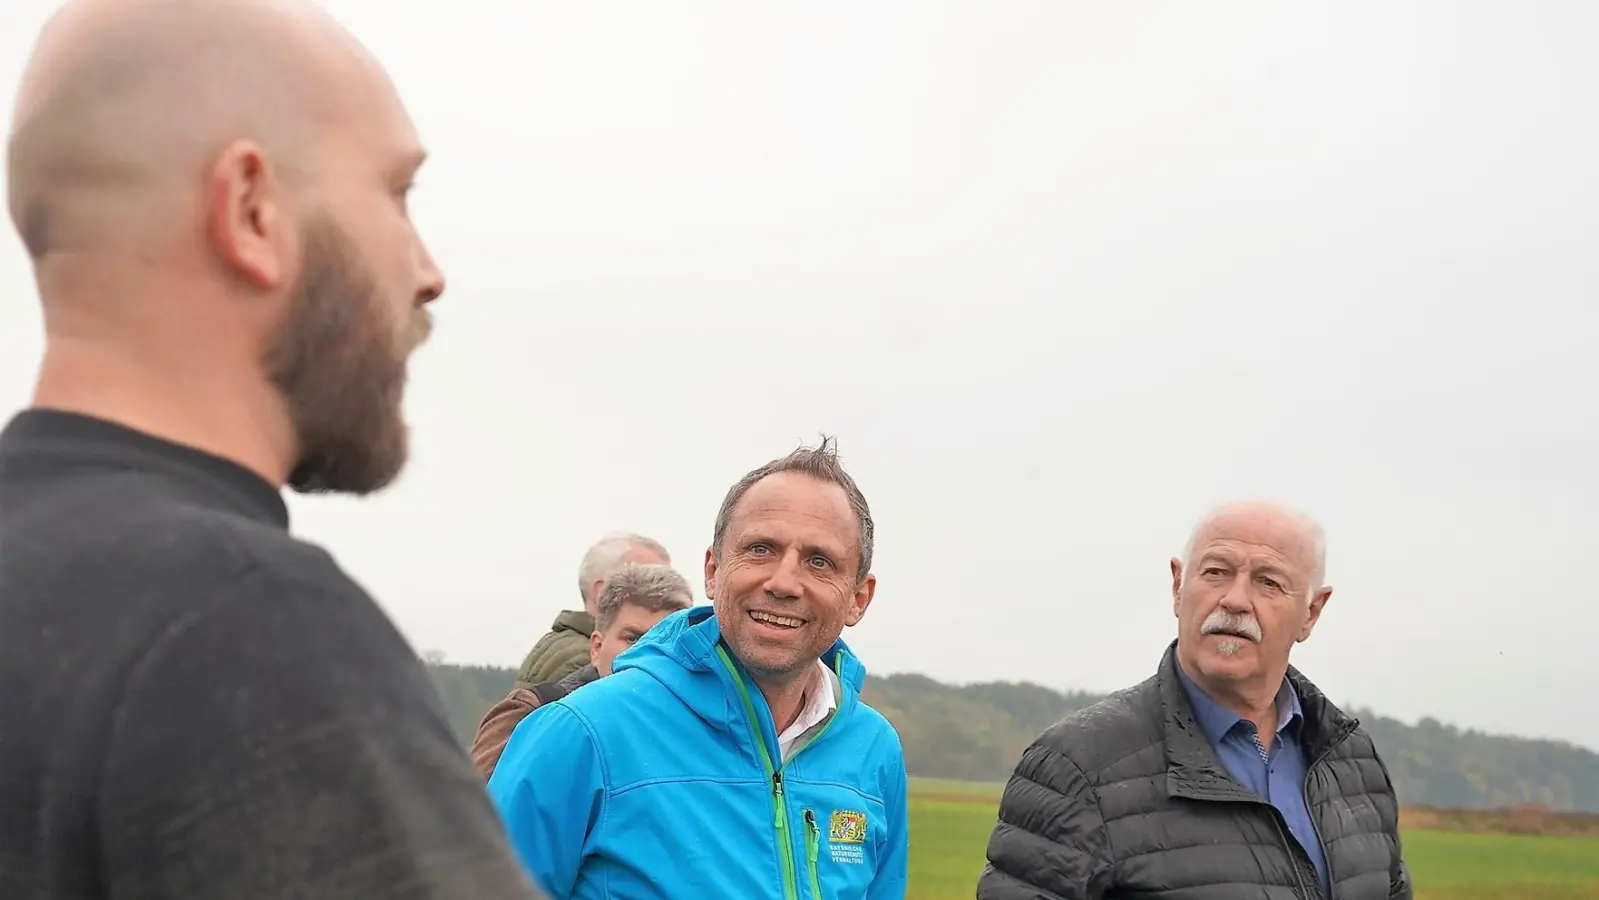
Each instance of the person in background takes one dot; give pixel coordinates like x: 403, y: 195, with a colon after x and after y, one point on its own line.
x: 1227, y: 773
x: 195, y: 702
x: 564, y: 649
x: 634, y: 598
x: 729, y: 756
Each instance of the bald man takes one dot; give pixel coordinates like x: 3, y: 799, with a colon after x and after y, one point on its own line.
x: 1227, y: 773
x: 196, y: 704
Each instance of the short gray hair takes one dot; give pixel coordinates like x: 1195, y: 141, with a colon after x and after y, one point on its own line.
x: 650, y: 587
x: 1311, y: 528
x: 603, y: 558
x: 822, y: 463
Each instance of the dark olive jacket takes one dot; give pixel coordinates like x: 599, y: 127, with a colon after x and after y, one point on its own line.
x: 1126, y: 799
x: 561, y: 651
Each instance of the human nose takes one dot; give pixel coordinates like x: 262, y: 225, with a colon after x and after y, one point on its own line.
x: 1236, y: 599
x: 432, y: 277
x: 784, y: 581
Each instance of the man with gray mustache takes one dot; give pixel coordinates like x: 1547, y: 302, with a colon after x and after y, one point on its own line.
x: 1227, y: 773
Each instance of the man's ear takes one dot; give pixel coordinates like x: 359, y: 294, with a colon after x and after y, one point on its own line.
x: 862, y: 599
x: 595, y: 640
x: 710, y: 575
x: 1317, y: 604
x: 1176, y: 583
x: 246, y: 219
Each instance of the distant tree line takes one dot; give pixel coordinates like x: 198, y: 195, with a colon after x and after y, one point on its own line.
x: 976, y: 732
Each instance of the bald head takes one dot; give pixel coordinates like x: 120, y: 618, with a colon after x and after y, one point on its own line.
x: 1266, y: 521
x: 214, y: 194
x: 125, y: 104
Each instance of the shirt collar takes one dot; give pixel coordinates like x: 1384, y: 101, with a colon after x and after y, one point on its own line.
x: 820, y: 700
x: 1216, y: 720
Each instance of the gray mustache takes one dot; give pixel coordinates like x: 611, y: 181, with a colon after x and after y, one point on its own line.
x: 1222, y: 621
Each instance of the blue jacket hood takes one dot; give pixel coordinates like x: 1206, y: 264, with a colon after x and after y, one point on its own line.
x: 680, y: 653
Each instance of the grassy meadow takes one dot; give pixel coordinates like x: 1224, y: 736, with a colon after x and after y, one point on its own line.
x: 1452, y: 855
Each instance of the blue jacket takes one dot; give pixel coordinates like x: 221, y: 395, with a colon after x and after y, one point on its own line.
x: 664, y: 781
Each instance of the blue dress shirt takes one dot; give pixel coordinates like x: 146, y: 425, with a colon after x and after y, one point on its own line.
x: 1276, y: 773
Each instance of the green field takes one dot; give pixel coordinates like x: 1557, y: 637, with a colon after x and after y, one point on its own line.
x: 951, y: 821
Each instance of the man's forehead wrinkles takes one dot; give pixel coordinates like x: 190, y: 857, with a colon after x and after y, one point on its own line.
x: 768, y: 512
x: 1239, y: 545
x: 1258, y: 556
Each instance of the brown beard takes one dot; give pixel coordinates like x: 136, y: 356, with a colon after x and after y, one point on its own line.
x: 341, y: 367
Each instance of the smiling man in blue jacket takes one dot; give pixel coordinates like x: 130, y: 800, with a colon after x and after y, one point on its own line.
x: 729, y: 754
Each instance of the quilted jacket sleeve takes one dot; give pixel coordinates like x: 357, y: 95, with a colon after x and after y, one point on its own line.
x: 1049, y: 843
x: 1404, y: 889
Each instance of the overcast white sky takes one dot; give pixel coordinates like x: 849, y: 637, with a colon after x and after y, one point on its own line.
x: 1058, y: 275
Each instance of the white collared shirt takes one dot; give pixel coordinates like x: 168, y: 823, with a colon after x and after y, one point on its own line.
x: 819, y: 702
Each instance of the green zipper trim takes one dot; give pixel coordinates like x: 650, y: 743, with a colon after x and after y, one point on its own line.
x: 813, y: 846
x: 775, y: 776
x: 779, y: 805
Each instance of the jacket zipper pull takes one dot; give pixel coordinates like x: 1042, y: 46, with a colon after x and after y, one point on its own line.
x: 777, y: 791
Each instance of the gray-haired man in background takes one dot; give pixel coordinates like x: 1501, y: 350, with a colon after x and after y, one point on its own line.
x: 565, y: 648
x: 634, y: 598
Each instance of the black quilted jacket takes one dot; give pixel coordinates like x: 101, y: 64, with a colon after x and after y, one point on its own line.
x: 1125, y: 799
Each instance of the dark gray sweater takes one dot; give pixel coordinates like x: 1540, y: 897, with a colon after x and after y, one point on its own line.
x: 196, y: 704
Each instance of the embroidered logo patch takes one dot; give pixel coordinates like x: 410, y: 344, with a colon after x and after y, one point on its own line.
x: 847, y: 827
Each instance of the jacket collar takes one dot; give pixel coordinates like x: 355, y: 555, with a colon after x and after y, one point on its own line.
x: 681, y: 652
x: 1216, y: 721
x: 1192, y: 769
x: 574, y: 620
x: 580, y: 677
x: 697, y: 642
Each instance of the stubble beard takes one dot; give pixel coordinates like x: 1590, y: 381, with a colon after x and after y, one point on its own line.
x: 767, y: 663
x: 1229, y: 646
